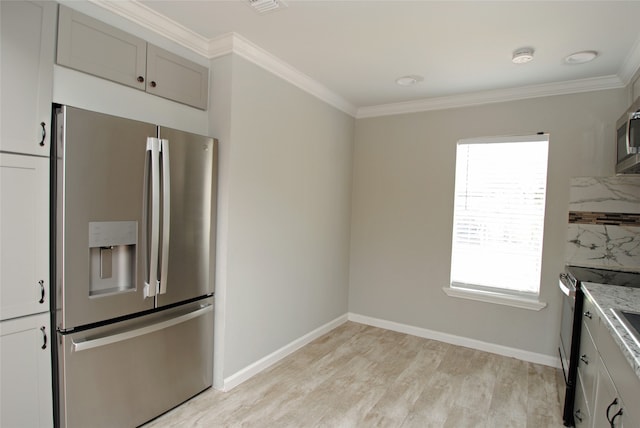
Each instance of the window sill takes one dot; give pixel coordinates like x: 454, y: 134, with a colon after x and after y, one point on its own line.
x: 497, y: 298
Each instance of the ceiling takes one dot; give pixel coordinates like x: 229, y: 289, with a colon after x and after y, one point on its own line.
x: 355, y: 50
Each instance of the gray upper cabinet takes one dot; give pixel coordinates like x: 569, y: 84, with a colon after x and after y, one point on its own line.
x: 93, y: 47
x: 176, y: 78
x: 27, y: 44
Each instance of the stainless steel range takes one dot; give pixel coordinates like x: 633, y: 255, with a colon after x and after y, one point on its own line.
x: 570, y: 283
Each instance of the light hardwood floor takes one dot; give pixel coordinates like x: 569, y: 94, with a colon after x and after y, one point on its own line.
x: 362, y: 376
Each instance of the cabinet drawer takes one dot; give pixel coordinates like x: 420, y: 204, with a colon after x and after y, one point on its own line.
x: 587, y: 363
x: 590, y: 317
x: 581, y: 413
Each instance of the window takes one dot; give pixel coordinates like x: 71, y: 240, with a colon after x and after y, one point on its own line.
x: 498, y: 216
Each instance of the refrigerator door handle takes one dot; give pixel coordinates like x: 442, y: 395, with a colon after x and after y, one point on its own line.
x: 166, y: 214
x: 151, y: 286
x: 108, y: 340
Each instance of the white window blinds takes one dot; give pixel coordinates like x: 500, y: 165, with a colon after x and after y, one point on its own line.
x: 499, y: 214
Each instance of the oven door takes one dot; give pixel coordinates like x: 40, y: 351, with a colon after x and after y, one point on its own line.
x: 566, y: 326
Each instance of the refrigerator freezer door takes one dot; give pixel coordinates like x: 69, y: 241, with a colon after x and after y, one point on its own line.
x: 101, y: 247
x: 190, y: 236
x: 127, y: 373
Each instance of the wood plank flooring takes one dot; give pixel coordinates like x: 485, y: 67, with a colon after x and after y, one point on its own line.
x: 362, y: 376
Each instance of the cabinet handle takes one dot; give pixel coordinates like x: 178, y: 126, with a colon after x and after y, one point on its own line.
x: 140, y: 79
x: 613, y: 419
x: 578, y: 415
x: 153, y: 84
x: 584, y: 359
x: 44, y: 337
x: 588, y: 315
x: 613, y: 403
x: 41, y: 282
x: 44, y: 133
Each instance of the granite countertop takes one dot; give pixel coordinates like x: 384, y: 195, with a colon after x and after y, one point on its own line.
x: 608, y: 297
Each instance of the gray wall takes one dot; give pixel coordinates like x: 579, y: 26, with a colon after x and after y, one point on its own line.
x: 285, y: 159
x: 285, y: 198
x: 403, y: 205
x: 284, y: 262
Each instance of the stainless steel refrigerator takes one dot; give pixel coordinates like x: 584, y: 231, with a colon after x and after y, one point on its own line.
x: 134, y: 253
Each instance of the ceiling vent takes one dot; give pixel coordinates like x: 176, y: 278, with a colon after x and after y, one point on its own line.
x: 266, y: 6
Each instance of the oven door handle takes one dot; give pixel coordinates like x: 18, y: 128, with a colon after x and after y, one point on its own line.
x: 564, y: 288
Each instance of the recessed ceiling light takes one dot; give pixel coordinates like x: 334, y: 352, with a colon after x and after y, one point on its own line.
x: 522, y: 55
x: 581, y: 57
x: 409, y: 80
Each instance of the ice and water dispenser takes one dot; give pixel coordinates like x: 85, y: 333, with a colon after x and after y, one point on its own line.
x: 112, y: 257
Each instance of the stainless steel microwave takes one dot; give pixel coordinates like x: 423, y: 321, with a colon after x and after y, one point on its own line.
x: 628, y: 141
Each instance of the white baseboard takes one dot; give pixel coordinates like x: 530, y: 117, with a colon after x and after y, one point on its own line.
x: 520, y: 354
x: 262, y: 364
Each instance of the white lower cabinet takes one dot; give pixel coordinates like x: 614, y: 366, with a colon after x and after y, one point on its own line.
x: 25, y: 353
x: 608, y: 406
x: 581, y: 413
x: 618, y: 385
x: 606, y: 380
x: 24, y: 235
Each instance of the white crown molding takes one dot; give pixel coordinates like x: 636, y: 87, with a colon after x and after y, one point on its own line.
x: 222, y: 45
x: 495, y: 96
x: 158, y: 23
x: 240, y: 46
x: 631, y: 64
x: 234, y: 43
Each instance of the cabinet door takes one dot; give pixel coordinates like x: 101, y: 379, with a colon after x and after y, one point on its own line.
x: 581, y: 415
x: 176, y: 78
x: 621, y: 373
x: 608, y: 406
x: 27, y: 45
x: 24, y: 235
x: 91, y: 46
x: 587, y: 363
x: 25, y: 368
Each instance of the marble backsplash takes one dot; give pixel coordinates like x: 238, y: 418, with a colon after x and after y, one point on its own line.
x: 604, y: 222
x: 618, y: 194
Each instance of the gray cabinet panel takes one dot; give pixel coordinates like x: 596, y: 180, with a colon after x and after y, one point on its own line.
x: 173, y: 77
x: 26, y: 69
x: 91, y: 46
